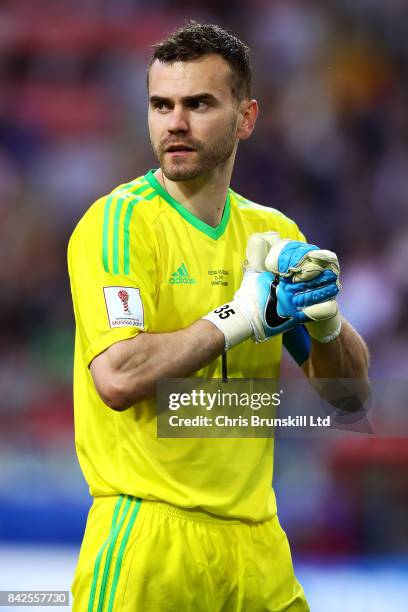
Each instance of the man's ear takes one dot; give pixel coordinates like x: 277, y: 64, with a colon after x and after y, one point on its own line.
x: 248, y: 113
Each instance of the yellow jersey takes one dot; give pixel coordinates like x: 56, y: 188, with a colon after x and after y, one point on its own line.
x: 139, y: 261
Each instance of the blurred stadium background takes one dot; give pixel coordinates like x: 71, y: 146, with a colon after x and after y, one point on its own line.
x: 330, y: 150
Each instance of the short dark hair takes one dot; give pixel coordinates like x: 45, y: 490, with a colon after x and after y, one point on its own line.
x: 196, y: 40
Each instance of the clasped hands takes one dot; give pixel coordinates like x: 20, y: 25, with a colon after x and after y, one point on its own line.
x: 286, y: 283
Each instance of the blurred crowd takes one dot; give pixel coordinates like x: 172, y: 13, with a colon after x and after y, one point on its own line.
x: 330, y: 150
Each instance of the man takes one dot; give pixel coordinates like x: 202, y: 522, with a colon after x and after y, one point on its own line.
x: 183, y: 524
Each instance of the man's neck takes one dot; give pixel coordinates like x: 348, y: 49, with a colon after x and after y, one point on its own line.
x: 204, y: 197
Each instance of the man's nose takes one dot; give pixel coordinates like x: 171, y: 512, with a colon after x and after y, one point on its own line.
x: 178, y: 121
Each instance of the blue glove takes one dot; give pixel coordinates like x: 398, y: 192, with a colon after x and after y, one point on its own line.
x: 294, y: 298
x: 306, y: 282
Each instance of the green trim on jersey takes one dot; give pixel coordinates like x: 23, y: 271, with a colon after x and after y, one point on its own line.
x: 105, y: 238
x: 126, y: 241
x: 116, y: 221
x: 113, y: 228
x: 139, y: 189
x: 135, y: 187
x: 211, y: 232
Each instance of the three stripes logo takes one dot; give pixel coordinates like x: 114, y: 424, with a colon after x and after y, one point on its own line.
x: 181, y: 277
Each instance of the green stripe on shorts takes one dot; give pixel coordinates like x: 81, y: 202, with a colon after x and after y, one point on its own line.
x: 122, y: 552
x: 109, y: 554
x: 100, y: 554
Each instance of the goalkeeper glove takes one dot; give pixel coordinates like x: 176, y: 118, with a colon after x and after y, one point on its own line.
x: 307, y: 282
x: 252, y: 311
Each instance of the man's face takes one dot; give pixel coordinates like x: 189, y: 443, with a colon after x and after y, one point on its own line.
x: 193, y: 116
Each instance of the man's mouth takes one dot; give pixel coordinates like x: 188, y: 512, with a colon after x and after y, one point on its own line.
x: 179, y: 148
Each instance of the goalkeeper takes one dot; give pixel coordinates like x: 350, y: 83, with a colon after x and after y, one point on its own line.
x: 158, y: 291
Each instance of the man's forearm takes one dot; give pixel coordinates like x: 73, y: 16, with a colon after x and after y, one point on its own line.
x: 129, y: 370
x: 345, y: 357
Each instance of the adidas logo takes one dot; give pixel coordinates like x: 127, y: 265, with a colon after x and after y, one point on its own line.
x: 181, y: 277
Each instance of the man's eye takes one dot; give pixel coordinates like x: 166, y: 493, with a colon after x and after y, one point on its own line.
x: 198, y: 105
x: 161, y: 106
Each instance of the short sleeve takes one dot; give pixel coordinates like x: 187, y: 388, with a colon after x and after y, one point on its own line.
x: 112, y: 268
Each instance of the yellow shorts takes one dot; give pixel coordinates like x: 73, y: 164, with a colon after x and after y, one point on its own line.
x: 153, y: 557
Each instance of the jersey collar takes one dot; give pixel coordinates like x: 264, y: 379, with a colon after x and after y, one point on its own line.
x: 211, y: 232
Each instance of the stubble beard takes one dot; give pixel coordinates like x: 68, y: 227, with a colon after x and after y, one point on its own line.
x: 206, y: 157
